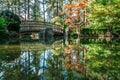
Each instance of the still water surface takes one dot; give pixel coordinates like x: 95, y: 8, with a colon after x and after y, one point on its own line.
x: 74, y: 59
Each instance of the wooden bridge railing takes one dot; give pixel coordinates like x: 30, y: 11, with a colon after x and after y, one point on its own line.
x: 38, y: 25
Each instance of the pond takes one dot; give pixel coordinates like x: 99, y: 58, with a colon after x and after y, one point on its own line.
x: 60, y: 59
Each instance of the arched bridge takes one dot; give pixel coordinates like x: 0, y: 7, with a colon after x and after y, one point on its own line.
x: 36, y: 26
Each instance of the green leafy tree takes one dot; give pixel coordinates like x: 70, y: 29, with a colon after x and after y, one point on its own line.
x: 104, y: 14
x: 13, y: 20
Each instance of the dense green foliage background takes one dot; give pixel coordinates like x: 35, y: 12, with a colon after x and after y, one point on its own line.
x: 104, y: 14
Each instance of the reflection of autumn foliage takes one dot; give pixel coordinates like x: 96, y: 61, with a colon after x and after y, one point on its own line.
x: 72, y: 59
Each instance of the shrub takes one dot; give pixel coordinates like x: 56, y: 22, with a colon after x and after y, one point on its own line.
x: 2, y: 26
x: 13, y: 20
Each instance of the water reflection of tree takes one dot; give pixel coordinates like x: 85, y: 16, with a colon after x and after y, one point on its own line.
x: 8, y: 64
x: 73, y: 61
x: 9, y: 56
x: 103, y: 61
x: 19, y: 68
x: 69, y: 62
x: 29, y: 64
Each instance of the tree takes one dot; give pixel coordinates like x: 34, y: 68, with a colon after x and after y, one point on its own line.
x: 13, y: 20
x: 36, y: 11
x: 104, y: 14
x: 2, y: 26
x: 74, y: 14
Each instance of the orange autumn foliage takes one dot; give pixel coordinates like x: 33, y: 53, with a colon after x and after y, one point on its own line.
x: 71, y: 59
x: 73, y: 12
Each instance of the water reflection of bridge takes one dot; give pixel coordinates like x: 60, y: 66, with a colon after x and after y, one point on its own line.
x: 40, y: 46
x: 30, y: 64
x: 58, y: 43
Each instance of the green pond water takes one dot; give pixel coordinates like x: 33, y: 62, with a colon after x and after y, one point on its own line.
x: 60, y: 59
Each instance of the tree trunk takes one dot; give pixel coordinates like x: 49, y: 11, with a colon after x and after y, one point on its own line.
x: 15, y: 3
x: 19, y: 7
x: 25, y: 9
x: 28, y: 9
x: 35, y: 9
x: 8, y: 4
